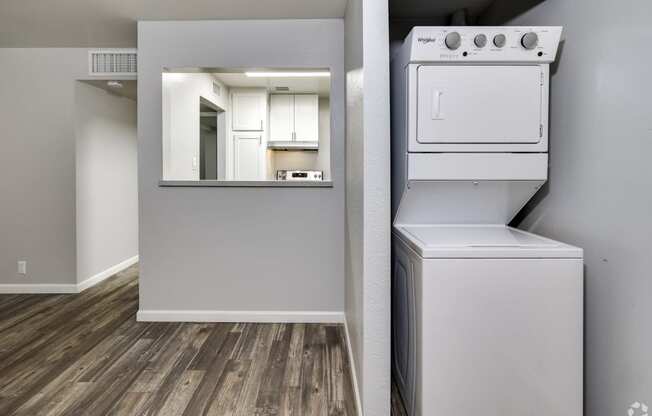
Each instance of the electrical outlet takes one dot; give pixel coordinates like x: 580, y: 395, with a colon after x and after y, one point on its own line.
x: 22, y: 267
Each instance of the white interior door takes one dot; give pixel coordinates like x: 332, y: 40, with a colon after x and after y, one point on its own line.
x: 306, y: 117
x: 479, y: 104
x: 281, y: 117
x: 248, y: 109
x: 247, y: 157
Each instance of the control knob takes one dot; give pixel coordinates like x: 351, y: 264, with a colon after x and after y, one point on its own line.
x: 530, y: 40
x: 500, y: 40
x: 453, y: 40
x: 480, y: 40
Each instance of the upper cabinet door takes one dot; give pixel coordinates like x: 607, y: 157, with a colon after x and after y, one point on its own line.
x: 248, y: 111
x: 306, y: 117
x: 281, y: 117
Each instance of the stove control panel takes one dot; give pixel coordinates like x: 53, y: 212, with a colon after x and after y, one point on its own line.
x: 299, y: 175
x: 484, y: 43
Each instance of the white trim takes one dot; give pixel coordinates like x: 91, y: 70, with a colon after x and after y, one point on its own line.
x: 354, y: 376
x: 240, y: 316
x: 95, y: 279
x: 37, y: 288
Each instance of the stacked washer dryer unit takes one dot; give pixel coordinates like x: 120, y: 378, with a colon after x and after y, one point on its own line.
x: 487, y: 319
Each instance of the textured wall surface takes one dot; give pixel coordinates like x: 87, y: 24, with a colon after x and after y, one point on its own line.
x: 368, y: 204
x: 598, y: 196
x: 242, y: 249
x: 354, y: 185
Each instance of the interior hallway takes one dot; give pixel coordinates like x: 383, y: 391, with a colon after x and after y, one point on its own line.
x: 85, y: 354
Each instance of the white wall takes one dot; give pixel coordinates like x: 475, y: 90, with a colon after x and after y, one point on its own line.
x: 37, y: 162
x: 106, y: 180
x: 239, y: 249
x: 319, y: 160
x: 367, y: 200
x: 181, y: 95
x: 598, y: 196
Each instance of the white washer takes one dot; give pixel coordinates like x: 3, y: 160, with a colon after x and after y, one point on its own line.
x: 487, y: 320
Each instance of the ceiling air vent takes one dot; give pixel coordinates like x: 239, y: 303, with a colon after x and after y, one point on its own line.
x: 282, y: 88
x: 112, y: 62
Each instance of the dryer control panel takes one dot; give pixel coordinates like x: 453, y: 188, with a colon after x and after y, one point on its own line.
x: 483, y: 43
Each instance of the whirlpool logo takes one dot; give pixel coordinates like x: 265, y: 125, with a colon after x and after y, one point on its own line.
x: 637, y: 409
x: 426, y: 40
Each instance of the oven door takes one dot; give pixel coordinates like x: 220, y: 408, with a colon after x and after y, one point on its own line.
x: 477, y: 106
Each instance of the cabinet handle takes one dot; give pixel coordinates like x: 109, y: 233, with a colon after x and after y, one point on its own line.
x: 261, y: 124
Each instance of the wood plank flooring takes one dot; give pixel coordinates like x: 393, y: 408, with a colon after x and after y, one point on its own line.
x: 397, y: 408
x: 85, y: 354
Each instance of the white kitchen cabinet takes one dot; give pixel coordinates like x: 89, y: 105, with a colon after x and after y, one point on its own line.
x: 248, y: 110
x: 294, y: 118
x: 281, y: 117
x: 247, y: 155
x: 306, y: 118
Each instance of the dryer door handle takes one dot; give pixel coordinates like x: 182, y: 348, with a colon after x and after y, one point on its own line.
x: 436, y: 105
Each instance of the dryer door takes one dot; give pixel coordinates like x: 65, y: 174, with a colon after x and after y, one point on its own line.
x: 479, y: 104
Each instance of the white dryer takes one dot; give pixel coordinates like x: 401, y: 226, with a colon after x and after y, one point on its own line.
x: 486, y: 319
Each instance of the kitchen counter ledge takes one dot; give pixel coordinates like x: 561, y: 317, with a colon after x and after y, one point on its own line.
x: 246, y: 184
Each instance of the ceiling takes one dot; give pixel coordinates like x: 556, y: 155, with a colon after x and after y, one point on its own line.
x: 112, y: 23
x: 420, y: 9
x: 298, y: 85
x: 129, y: 88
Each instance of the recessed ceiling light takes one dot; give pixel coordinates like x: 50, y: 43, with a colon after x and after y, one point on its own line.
x: 281, y: 74
x: 114, y: 84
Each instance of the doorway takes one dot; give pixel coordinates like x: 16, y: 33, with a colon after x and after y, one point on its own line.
x: 212, y: 141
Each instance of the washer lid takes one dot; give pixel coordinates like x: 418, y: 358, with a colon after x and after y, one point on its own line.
x: 481, y: 241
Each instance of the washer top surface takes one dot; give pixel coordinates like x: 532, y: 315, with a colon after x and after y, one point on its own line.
x: 481, y: 241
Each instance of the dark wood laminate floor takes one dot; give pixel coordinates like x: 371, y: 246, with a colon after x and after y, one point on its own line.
x: 85, y: 354
x: 397, y: 408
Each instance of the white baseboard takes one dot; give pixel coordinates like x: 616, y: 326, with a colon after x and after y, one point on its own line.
x: 354, y: 376
x: 95, y: 279
x: 36, y: 288
x: 240, y: 316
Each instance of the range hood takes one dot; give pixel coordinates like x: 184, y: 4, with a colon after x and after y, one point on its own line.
x: 293, y: 145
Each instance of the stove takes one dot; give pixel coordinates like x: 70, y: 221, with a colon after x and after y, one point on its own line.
x: 299, y: 175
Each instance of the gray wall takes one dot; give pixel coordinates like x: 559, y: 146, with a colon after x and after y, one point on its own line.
x: 228, y: 248
x: 354, y: 186
x: 106, y: 180
x: 367, y: 199
x: 37, y: 163
x: 598, y: 195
